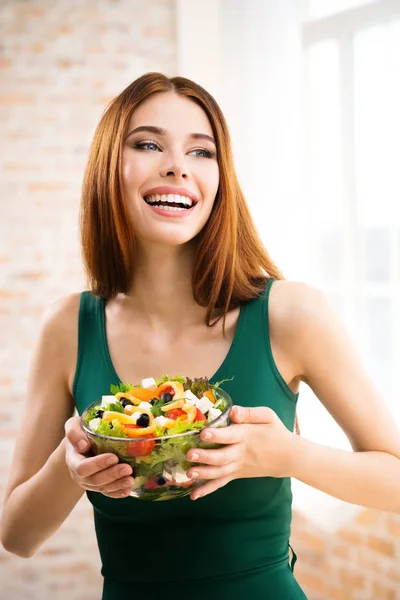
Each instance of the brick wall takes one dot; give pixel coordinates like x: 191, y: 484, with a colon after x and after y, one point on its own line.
x: 60, y: 63
x: 358, y: 562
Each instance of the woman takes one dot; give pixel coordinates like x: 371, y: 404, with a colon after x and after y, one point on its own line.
x: 189, y: 291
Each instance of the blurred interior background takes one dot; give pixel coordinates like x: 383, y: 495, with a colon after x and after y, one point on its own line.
x: 311, y: 93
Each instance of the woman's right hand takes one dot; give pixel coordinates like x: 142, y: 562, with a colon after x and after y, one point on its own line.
x: 94, y: 473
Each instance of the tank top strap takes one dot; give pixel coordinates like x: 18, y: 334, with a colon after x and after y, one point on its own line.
x: 254, y: 334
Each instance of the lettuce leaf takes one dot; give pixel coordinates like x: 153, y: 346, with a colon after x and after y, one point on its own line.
x: 156, y: 408
x: 90, y: 414
x: 221, y: 404
x: 218, y: 384
x: 122, y: 387
x: 107, y: 428
x: 114, y: 406
x: 165, y: 378
x: 198, y: 386
x: 182, y: 427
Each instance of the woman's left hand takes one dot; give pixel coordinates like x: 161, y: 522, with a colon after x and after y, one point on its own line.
x: 258, y: 444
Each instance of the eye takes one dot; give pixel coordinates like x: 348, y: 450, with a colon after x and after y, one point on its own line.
x: 207, y: 153
x: 142, y: 145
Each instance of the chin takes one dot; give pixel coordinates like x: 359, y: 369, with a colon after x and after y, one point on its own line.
x: 170, y: 240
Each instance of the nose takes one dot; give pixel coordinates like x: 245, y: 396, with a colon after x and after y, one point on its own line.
x: 176, y: 167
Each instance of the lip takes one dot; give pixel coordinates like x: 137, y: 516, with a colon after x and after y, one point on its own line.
x: 174, y: 214
x: 167, y: 189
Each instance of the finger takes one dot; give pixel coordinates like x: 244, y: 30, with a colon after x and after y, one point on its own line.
x: 75, y: 434
x: 254, y: 414
x: 218, y: 457
x: 210, y: 487
x: 118, y: 485
x: 108, y: 477
x: 224, y: 435
x: 124, y: 493
x: 85, y: 467
x: 212, y: 472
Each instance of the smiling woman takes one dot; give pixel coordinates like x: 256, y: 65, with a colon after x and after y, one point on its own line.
x: 178, y: 282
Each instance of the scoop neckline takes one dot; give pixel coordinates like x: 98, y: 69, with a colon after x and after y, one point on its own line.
x: 223, y: 366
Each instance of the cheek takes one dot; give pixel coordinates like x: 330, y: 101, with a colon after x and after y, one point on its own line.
x: 133, y: 173
x: 209, y: 180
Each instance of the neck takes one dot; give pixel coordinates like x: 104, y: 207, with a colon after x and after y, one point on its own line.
x: 161, y: 291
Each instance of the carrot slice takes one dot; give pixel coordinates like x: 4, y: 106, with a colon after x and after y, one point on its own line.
x: 143, y: 394
x: 210, y: 396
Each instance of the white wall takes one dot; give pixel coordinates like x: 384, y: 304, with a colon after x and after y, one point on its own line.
x: 248, y: 55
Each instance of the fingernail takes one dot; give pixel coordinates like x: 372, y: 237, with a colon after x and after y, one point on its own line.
x: 238, y: 412
x: 195, y: 456
x: 207, y: 435
x: 112, y: 460
x: 81, y: 445
x: 194, y: 475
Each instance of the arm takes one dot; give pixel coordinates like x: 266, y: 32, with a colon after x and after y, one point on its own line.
x: 36, y: 508
x: 41, y: 493
x: 328, y: 362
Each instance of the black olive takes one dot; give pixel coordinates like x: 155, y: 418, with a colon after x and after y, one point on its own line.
x: 111, y: 426
x: 99, y: 414
x: 153, y: 400
x: 167, y: 397
x: 143, y: 420
x: 161, y: 481
x: 125, y: 402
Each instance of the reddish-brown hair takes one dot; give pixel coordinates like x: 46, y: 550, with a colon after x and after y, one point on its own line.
x: 231, y: 265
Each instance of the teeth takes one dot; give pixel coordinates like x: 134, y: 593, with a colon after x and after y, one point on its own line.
x: 169, y: 198
x: 170, y: 208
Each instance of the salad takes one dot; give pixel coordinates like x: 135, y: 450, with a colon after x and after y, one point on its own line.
x: 153, y: 425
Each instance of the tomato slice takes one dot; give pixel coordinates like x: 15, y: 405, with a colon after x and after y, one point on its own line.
x: 200, y: 417
x: 175, y: 413
x: 142, y: 448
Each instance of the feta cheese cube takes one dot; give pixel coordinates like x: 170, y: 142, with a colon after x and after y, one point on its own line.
x: 191, y: 397
x: 179, y: 474
x: 176, y: 473
x: 106, y: 400
x: 160, y: 421
x: 149, y: 383
x: 94, y: 423
x: 204, y: 404
x: 213, y: 413
x: 145, y: 405
x: 135, y: 416
x: 167, y: 475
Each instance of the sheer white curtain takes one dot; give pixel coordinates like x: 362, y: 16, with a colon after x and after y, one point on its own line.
x: 311, y: 105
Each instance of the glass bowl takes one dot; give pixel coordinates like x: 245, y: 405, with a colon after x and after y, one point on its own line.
x: 161, y: 473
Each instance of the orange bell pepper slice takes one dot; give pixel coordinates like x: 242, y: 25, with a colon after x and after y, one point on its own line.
x: 140, y: 431
x: 210, y: 396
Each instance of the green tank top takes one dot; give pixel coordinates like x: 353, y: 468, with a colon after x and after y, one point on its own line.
x: 241, y: 532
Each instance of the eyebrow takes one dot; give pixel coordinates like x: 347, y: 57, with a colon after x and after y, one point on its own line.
x: 163, y: 132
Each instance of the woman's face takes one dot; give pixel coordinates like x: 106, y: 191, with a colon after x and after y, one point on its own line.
x: 173, y: 154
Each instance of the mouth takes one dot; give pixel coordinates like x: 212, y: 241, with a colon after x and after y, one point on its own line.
x: 170, y: 202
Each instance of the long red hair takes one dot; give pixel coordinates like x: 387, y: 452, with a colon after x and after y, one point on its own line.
x: 231, y: 264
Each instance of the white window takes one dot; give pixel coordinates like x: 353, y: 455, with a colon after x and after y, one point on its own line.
x: 353, y: 159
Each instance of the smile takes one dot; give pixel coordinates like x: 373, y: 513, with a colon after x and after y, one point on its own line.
x: 170, y: 202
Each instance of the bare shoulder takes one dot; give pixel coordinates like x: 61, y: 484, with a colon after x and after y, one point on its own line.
x: 60, y: 325
x: 293, y: 306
